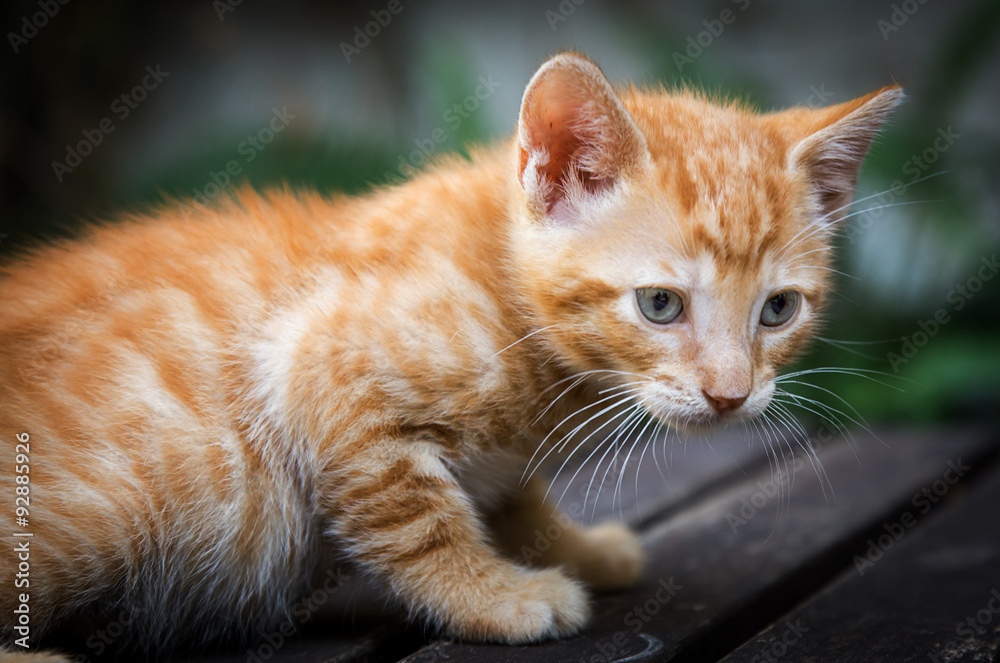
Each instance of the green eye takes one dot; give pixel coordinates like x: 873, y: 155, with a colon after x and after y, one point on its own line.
x: 779, y: 309
x: 659, y: 305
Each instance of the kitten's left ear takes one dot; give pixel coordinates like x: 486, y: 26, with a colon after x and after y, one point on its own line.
x: 575, y: 139
x: 837, y: 141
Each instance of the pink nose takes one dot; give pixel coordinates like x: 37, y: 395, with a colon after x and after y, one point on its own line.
x: 722, y: 404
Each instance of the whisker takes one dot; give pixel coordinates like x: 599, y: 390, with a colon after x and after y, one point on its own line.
x: 628, y: 413
x: 817, y: 465
x: 623, y: 385
x: 622, y: 399
x: 856, y: 372
x: 863, y: 423
x: 638, y: 466
x: 883, y: 192
x: 831, y: 417
x: 843, y: 342
x: 526, y: 336
x: 590, y: 435
x: 896, y: 204
x: 821, y: 224
x: 613, y: 446
x: 631, y: 412
x: 580, y: 377
x: 784, y: 471
x: 837, y: 345
x: 621, y: 476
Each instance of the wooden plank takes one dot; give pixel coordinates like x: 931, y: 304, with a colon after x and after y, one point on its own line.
x: 722, y: 569
x: 913, y: 593
x: 325, y: 639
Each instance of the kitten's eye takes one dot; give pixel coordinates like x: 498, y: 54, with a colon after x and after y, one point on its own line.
x: 659, y: 305
x: 779, y: 309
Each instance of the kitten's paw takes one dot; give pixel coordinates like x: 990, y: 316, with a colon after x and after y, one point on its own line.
x: 612, y: 557
x: 533, y: 606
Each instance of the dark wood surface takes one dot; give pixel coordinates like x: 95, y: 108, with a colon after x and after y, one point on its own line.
x: 916, y: 593
x: 875, y: 550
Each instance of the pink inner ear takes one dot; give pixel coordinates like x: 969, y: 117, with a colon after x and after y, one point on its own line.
x: 557, y: 125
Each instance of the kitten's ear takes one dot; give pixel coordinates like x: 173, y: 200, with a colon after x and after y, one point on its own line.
x: 574, y: 138
x: 836, y: 143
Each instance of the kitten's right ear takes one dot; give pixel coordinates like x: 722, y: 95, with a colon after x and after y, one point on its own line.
x: 575, y: 139
x: 836, y: 143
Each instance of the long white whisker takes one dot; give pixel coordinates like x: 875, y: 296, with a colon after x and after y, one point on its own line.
x: 838, y: 345
x: 590, y: 435
x: 622, y: 399
x: 830, y: 417
x: 526, y: 336
x: 856, y: 372
x: 883, y: 192
x: 631, y: 412
x: 817, y: 465
x: 621, y: 476
x: 621, y: 386
x: 863, y: 423
x: 579, y: 378
x: 614, y: 446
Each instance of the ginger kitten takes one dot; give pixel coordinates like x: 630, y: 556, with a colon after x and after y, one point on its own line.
x: 213, y: 402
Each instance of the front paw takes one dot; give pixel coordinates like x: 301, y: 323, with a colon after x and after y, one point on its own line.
x: 529, y: 607
x: 611, y: 557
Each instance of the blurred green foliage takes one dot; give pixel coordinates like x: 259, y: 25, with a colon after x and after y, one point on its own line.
x: 956, y: 375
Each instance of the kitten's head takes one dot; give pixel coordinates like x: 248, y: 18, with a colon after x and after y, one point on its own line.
x: 677, y: 243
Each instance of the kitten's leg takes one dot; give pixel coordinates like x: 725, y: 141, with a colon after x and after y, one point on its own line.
x: 531, y: 529
x: 404, y: 517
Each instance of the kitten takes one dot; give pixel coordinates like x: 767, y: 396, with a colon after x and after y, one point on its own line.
x: 214, y: 402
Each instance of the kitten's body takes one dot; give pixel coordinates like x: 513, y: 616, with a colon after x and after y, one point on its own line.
x: 221, y: 401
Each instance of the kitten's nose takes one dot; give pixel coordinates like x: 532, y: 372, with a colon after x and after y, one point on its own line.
x: 723, y: 404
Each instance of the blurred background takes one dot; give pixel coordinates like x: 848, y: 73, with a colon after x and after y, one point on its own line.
x: 110, y: 106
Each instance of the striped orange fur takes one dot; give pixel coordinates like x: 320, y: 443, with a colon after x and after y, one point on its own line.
x: 221, y: 399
